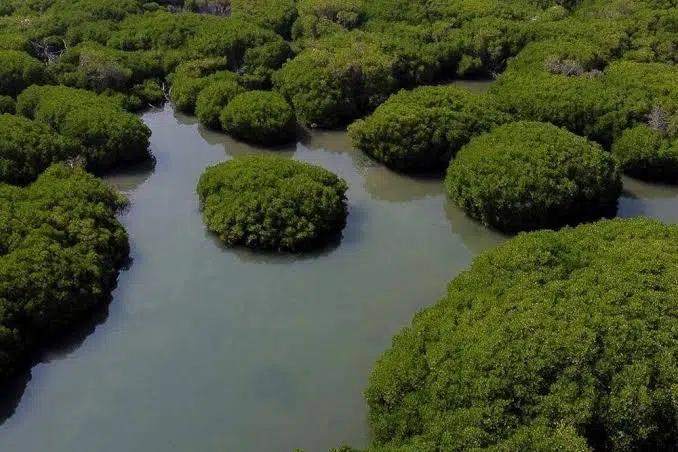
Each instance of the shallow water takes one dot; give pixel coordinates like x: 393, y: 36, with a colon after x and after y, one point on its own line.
x: 210, y: 349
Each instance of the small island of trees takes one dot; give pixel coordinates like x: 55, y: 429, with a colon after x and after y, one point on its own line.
x: 532, y: 175
x: 272, y: 203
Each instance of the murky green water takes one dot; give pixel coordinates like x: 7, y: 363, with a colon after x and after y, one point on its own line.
x: 209, y: 349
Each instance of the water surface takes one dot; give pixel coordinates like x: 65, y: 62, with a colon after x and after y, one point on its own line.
x: 211, y: 349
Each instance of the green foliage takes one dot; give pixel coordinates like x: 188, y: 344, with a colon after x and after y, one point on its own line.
x: 553, y: 341
x: 528, y: 175
x: 452, y: 11
x: 647, y: 154
x: 19, y: 70
x: 271, y: 55
x: 149, y: 92
x: 201, y: 67
x: 27, y: 148
x: 108, y: 135
x: 7, y: 105
x: 276, y: 15
x: 262, y: 117
x: 423, y: 54
x: 339, y: 79
x: 60, y: 250
x: 583, y: 104
x: 644, y: 86
x: 230, y: 38
x: 212, y: 100
x: 655, y: 37
x: 192, y: 77
x: 157, y: 30
x: 318, y: 18
x: 421, y: 130
x: 272, y: 203
x: 98, y: 68
x: 488, y: 42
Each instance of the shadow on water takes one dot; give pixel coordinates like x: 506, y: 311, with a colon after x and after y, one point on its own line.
x: 637, y: 189
x: 380, y: 182
x: 59, y: 347
x: 236, y: 148
x: 247, y: 255
x: 129, y: 179
x: 475, y: 236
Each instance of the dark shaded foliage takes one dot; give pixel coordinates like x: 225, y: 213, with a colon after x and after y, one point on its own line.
x: 60, y: 250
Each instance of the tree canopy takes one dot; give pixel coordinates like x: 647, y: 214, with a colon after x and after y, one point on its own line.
x: 18, y: 70
x: 61, y: 247
x: 27, y: 148
x: 108, y: 136
x: 420, y: 130
x: 648, y: 153
x: 272, y: 203
x: 213, y: 99
x: 262, y: 117
x: 553, y: 341
x: 530, y: 175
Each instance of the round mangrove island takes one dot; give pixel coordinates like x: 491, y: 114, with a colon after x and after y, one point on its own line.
x: 261, y: 117
x: 272, y: 203
x: 531, y: 175
x: 553, y: 341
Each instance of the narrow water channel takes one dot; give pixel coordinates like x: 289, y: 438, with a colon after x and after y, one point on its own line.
x: 209, y: 349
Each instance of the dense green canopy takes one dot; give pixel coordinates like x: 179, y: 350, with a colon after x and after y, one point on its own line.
x: 553, y: 341
x: 530, y: 175
x: 557, y: 341
x: 262, y: 117
x: 60, y: 250
x: 108, y: 136
x: 337, y: 80
x: 191, y: 77
x: 18, y: 70
x: 27, y: 148
x: 213, y: 98
x: 421, y: 130
x: 276, y: 15
x: 272, y: 203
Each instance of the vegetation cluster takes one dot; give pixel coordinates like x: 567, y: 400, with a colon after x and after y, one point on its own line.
x: 107, y: 135
x: 422, y: 129
x: 272, y: 203
x: 554, y: 341
x: 531, y: 175
x: 61, y: 247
